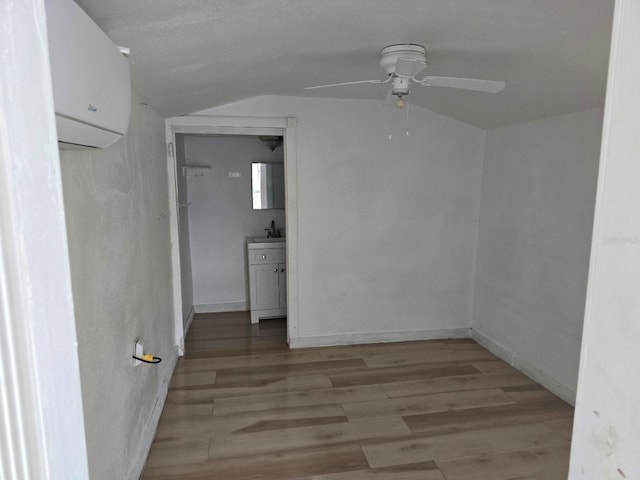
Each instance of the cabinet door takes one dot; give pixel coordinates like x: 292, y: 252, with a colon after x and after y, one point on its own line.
x: 283, y: 284
x: 265, y: 293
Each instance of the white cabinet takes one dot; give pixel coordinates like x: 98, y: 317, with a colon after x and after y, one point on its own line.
x: 267, y: 279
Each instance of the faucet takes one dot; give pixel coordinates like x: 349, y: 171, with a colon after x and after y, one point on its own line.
x: 272, y: 232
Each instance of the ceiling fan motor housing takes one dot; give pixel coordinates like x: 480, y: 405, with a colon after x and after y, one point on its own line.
x: 389, y: 55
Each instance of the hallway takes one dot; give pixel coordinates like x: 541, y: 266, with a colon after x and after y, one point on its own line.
x: 241, y: 405
x: 231, y: 335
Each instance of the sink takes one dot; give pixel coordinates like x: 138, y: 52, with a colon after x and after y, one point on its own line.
x: 267, y: 240
x: 264, y: 242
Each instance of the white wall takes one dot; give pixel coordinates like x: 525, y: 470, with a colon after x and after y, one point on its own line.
x: 387, y: 228
x: 116, y: 204
x: 607, y: 421
x: 538, y: 195
x: 221, y: 217
x: 186, y: 276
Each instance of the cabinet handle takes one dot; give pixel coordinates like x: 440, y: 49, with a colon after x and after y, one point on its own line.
x: 264, y: 257
x: 282, y: 270
x: 275, y: 269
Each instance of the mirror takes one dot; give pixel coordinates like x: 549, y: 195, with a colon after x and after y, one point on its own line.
x: 267, y: 185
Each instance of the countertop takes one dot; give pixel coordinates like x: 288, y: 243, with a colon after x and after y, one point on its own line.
x: 264, y: 242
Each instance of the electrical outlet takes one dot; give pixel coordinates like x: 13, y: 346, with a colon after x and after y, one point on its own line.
x: 138, y: 351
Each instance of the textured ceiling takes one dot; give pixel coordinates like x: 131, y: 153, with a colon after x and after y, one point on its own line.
x: 188, y: 55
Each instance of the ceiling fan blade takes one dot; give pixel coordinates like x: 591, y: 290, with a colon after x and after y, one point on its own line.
x: 489, y: 86
x: 408, y: 67
x: 348, y: 83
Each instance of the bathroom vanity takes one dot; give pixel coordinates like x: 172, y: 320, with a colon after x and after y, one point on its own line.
x: 267, y: 277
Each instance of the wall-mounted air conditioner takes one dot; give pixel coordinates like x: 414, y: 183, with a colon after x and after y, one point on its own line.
x: 91, y: 80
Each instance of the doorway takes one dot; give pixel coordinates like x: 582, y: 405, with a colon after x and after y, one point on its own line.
x: 231, y: 334
x: 210, y: 163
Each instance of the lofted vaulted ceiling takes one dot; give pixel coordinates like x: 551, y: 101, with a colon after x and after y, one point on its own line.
x: 188, y: 55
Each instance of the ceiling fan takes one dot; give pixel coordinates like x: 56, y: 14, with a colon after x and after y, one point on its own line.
x: 403, y: 62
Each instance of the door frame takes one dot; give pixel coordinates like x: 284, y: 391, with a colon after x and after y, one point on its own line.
x: 41, y: 417
x: 241, y: 125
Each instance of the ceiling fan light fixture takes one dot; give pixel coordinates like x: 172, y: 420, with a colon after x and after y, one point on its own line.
x: 400, y: 102
x: 400, y: 86
x: 271, y: 141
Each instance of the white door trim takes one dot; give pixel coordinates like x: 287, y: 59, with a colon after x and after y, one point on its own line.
x: 174, y: 234
x: 41, y: 419
x: 227, y: 125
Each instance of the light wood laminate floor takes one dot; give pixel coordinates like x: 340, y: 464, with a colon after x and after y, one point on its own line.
x: 241, y: 405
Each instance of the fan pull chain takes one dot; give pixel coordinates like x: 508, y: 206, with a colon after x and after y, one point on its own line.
x: 406, y: 120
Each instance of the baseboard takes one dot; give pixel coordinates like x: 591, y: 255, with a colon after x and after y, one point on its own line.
x: 378, y: 337
x: 187, y: 325
x: 221, y: 307
x: 144, y: 445
x: 565, y: 393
